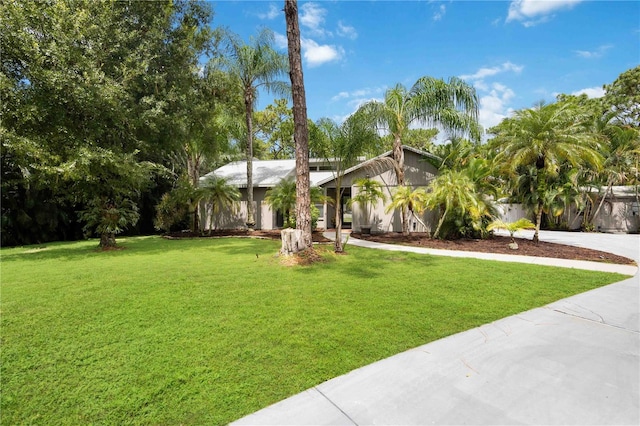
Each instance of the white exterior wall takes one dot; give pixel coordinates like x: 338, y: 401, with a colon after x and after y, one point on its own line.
x: 622, y: 216
x: 511, y: 212
x: 418, y: 173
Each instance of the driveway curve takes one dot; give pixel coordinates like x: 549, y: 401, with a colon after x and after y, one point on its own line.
x: 575, y: 361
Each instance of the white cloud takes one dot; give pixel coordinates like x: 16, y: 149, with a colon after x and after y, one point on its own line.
x: 487, y: 72
x: 316, y: 54
x: 593, y: 54
x: 341, y: 95
x: 440, y: 12
x: 591, y: 92
x: 495, y: 99
x: 494, y: 106
x: 272, y: 13
x: 359, y: 94
x: 281, y: 41
x: 312, y: 17
x: 533, y: 12
x: 346, y: 31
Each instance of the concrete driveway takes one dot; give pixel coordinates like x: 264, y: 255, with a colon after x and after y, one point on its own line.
x: 575, y: 361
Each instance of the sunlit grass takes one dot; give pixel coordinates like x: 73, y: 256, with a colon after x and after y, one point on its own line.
x: 206, y: 331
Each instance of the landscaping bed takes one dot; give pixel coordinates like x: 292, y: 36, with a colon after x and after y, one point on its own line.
x: 498, y: 244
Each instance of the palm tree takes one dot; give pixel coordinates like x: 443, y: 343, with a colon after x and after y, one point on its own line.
x: 254, y: 66
x: 369, y: 192
x: 511, y: 227
x: 455, y: 195
x: 219, y: 195
x: 452, y: 105
x: 413, y: 201
x: 282, y: 198
x: 340, y: 145
x: 621, y: 146
x: 545, y: 137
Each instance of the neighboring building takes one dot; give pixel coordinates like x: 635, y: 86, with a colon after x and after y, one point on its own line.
x: 620, y: 211
x: 267, y: 173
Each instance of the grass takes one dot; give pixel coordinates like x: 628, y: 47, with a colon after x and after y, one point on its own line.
x: 206, y: 331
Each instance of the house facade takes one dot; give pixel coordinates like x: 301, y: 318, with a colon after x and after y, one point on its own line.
x: 268, y: 173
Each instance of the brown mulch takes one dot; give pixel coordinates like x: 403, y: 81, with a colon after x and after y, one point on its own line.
x: 499, y: 244
x: 493, y: 244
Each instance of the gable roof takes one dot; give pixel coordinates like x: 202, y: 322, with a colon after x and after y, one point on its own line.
x: 268, y: 173
x: 371, y: 162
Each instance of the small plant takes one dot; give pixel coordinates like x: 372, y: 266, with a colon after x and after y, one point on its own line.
x: 512, y: 227
x: 369, y: 192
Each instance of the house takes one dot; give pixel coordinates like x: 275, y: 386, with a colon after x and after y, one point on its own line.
x: 267, y: 173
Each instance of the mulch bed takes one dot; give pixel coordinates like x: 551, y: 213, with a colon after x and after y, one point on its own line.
x: 499, y: 244
x: 493, y: 244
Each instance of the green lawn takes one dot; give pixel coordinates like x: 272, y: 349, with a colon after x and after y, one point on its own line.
x: 206, y: 331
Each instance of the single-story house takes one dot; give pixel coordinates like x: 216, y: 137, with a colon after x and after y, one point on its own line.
x: 268, y: 173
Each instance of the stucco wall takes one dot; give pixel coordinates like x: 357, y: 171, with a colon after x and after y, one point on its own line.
x: 619, y: 215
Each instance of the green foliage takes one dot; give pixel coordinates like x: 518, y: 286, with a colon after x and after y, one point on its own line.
x: 275, y: 125
x: 341, y: 145
x: 536, y: 145
x: 169, y: 213
x: 623, y: 95
x: 512, y: 227
x: 81, y: 81
x: 109, y: 217
x: 414, y: 200
x: 464, y: 211
x: 452, y: 105
x: 219, y: 195
x: 174, y: 337
x: 253, y: 66
x: 369, y: 192
x: 282, y: 198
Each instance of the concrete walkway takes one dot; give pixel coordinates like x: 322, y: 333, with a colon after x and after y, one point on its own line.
x: 575, y: 361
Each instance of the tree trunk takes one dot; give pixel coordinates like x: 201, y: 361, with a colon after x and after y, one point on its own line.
x: 337, y: 245
x: 536, y: 234
x: 398, y: 156
x: 248, y: 104
x: 291, y: 241
x: 604, y: 197
x: 107, y: 240
x: 440, y: 222
x: 301, y: 133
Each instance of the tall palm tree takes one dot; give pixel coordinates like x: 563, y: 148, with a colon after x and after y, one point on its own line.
x: 254, y: 66
x: 546, y: 137
x: 452, y: 105
x: 340, y: 145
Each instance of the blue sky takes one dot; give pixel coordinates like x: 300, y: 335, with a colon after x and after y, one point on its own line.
x: 514, y: 52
